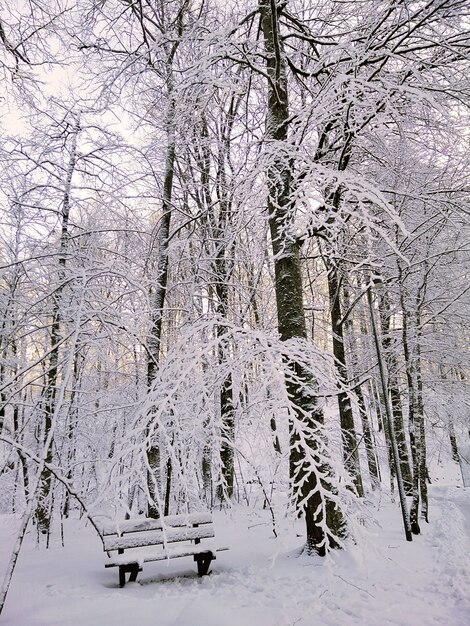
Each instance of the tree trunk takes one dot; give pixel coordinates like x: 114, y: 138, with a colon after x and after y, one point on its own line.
x: 369, y: 442
x: 392, y: 365
x: 412, y: 420
x: 348, y: 430
x: 453, y: 441
x: 157, y: 295
x: 306, y: 416
x: 222, y: 268
x: 423, y: 469
x: 372, y: 462
x: 42, y: 513
x: 72, y: 419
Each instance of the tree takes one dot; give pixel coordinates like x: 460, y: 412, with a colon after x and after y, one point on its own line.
x: 305, y: 477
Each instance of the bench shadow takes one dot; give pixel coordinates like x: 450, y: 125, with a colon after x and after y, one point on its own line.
x: 184, y: 577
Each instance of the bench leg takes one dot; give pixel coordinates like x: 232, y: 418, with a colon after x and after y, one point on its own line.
x: 203, y: 562
x: 133, y: 568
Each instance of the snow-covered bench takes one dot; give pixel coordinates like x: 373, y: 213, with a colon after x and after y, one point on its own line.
x: 146, y: 540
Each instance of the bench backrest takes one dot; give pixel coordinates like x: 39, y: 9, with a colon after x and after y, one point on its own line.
x: 148, y: 532
x: 140, y: 524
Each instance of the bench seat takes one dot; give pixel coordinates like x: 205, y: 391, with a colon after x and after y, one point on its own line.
x: 141, y: 556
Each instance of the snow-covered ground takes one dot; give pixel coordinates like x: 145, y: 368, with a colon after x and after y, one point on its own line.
x: 260, y: 581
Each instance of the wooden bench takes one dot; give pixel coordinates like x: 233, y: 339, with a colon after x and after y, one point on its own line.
x: 146, y: 540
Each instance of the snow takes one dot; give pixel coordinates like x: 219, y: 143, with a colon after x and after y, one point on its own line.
x: 109, y: 527
x: 260, y: 581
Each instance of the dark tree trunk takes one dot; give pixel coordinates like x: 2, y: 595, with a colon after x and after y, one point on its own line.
x: 227, y: 405
x: 218, y: 223
x: 157, y: 295
x: 368, y: 440
x: 348, y: 430
x: 21, y: 457
x: 169, y: 472
x: 222, y: 266
x: 42, y: 512
x: 228, y: 434
x: 70, y: 426
x: 395, y: 397
x: 413, y: 422
x: 288, y: 286
x: 423, y: 469
x: 453, y: 442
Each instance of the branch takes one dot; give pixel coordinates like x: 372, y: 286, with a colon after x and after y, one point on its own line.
x: 56, y: 474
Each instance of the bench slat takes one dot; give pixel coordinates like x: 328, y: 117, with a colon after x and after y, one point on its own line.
x: 145, y: 524
x: 158, y: 537
x: 147, y: 556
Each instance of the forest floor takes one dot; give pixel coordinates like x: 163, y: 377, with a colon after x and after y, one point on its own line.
x: 261, y: 580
